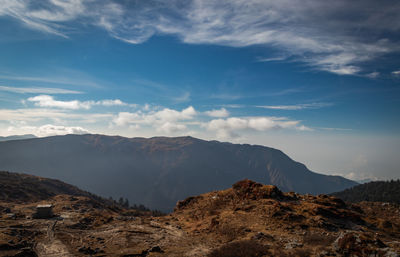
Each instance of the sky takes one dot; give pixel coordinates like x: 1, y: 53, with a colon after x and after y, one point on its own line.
x: 319, y: 80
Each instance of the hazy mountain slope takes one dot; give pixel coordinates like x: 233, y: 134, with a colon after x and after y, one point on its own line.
x: 159, y: 171
x: 377, y: 191
x: 17, y: 137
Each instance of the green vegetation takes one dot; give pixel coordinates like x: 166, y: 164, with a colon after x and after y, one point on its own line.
x: 134, y: 210
x: 379, y: 191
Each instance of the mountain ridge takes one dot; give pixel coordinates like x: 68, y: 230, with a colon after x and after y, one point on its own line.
x: 17, y: 137
x: 158, y: 171
x: 374, y: 191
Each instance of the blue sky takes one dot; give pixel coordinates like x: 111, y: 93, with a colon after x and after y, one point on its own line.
x: 318, y: 80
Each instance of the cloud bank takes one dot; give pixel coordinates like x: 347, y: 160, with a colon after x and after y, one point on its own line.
x: 229, y: 128
x: 171, y: 121
x: 49, y: 130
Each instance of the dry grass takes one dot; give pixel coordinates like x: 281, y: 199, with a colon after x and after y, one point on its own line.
x: 301, y: 253
x: 229, y: 231
x: 241, y: 248
x: 316, y: 239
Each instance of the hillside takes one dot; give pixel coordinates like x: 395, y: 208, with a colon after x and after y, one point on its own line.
x: 23, y: 188
x: 15, y: 187
x: 248, y: 219
x: 378, y: 191
x: 159, y: 171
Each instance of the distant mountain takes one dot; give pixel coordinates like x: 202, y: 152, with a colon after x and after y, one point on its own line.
x: 159, y: 171
x: 378, y: 191
x: 363, y: 181
x: 17, y: 137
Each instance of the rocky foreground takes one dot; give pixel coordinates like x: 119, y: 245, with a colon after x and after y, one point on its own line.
x: 249, y: 219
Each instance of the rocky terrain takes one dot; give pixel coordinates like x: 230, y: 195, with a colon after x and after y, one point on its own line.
x: 248, y: 219
x: 159, y: 171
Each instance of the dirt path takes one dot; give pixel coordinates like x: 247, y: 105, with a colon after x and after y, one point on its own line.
x: 51, y: 246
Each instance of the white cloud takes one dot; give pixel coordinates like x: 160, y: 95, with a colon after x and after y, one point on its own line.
x: 396, y: 73
x: 38, y: 90
x: 49, y: 101
x: 172, y: 115
x: 221, y: 113
x: 165, y: 120
x: 48, y: 130
x: 170, y: 128
x: 296, y: 106
x: 125, y: 118
x: 228, y: 128
x: 115, y: 102
x: 313, y: 32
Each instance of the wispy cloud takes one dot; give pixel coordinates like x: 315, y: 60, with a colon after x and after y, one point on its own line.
x: 43, y: 114
x: 236, y: 96
x: 236, y: 106
x: 226, y: 96
x: 272, y: 59
x: 312, y: 32
x: 49, y: 101
x: 373, y: 75
x: 334, y: 129
x: 396, y: 73
x: 72, y: 78
x: 287, y: 91
x: 38, y: 90
x: 296, y: 107
x: 185, y: 97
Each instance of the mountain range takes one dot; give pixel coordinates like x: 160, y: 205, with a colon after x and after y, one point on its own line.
x: 159, y: 171
x: 17, y: 137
